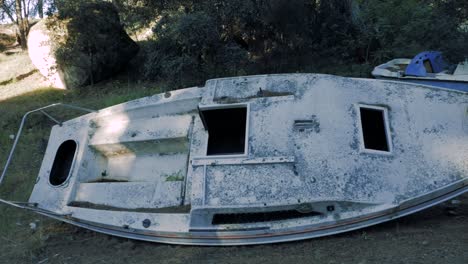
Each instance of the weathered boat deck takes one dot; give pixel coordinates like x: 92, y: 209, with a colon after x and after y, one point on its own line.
x: 260, y: 159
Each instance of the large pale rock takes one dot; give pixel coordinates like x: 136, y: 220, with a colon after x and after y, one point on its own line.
x: 88, y: 47
x: 41, y: 52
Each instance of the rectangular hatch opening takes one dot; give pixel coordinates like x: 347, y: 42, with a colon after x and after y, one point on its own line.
x: 227, y: 129
x: 374, y: 129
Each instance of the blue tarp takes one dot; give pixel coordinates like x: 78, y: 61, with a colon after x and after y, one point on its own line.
x: 426, y: 62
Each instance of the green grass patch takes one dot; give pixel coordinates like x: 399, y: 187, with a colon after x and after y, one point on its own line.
x: 178, y: 176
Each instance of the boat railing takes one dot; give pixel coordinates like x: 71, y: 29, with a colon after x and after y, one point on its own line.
x: 18, y: 135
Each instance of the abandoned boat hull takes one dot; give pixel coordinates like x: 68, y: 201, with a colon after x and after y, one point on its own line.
x: 428, y: 68
x: 257, y: 159
x: 264, y: 235
x: 454, y: 85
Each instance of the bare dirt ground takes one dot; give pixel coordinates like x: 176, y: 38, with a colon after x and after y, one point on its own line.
x: 17, y: 74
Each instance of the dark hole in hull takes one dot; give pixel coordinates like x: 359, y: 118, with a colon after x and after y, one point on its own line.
x: 226, y: 129
x: 62, y: 163
x: 373, y: 129
x: 242, y: 218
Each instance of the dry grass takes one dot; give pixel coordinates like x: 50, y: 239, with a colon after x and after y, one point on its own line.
x: 17, y: 74
x: 14, y: 62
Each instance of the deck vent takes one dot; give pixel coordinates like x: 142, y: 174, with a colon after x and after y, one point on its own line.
x: 226, y: 130
x: 242, y: 218
x: 312, y: 125
x: 374, y: 128
x: 62, y: 163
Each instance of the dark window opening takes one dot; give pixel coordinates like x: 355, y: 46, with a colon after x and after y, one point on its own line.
x: 428, y: 66
x: 242, y: 218
x: 226, y: 130
x: 373, y: 129
x: 62, y: 163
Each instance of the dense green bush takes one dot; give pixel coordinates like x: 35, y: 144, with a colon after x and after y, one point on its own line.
x: 402, y: 28
x: 189, y: 48
x: 89, y: 42
x: 197, y: 40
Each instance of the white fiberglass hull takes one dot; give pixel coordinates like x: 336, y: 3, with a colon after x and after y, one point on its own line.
x: 258, y: 159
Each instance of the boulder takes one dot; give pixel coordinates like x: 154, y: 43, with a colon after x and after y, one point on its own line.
x: 88, y: 46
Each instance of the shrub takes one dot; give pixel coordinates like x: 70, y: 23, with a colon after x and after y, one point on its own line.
x: 189, y: 49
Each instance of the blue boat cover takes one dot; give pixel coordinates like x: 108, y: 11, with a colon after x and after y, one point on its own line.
x: 426, y: 62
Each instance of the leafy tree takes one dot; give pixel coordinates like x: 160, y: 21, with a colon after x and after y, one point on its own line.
x: 196, y: 40
x: 267, y: 36
x: 88, y: 37
x: 19, y: 13
x: 189, y: 48
x: 40, y: 8
x: 250, y: 36
x: 403, y: 28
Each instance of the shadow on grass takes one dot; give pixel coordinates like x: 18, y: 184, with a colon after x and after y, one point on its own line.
x: 6, y: 41
x: 19, y: 77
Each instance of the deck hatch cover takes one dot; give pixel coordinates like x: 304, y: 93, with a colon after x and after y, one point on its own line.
x: 226, y: 130
x: 62, y: 163
x: 374, y: 130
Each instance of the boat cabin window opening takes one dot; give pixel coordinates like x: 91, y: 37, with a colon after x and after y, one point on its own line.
x: 374, y: 129
x: 62, y: 163
x: 428, y: 66
x: 227, y: 130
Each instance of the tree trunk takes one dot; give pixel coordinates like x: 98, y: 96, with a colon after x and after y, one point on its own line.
x: 40, y: 8
x: 22, y: 25
x: 7, y: 11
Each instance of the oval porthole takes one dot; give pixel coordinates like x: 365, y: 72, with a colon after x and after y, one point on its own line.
x: 62, y: 163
